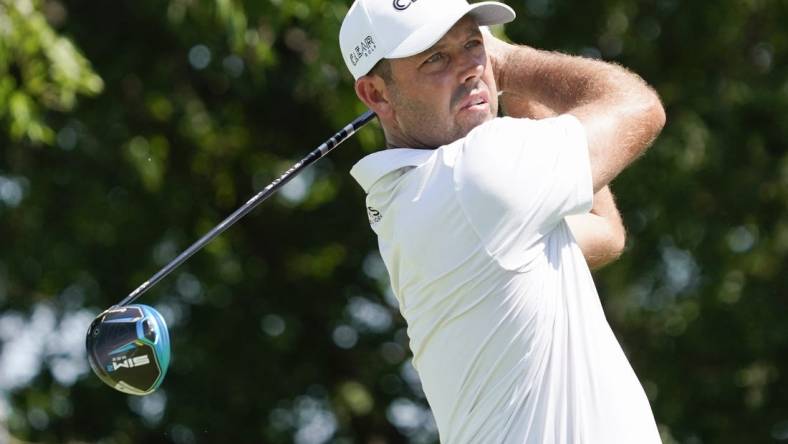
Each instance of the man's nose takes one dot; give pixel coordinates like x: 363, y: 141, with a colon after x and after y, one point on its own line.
x: 472, y: 68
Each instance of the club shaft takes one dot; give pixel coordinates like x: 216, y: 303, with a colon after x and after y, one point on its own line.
x: 311, y: 158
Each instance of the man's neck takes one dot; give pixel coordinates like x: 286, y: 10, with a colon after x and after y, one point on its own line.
x: 395, y: 139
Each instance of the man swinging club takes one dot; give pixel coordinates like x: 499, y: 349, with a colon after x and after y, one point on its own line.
x: 488, y: 226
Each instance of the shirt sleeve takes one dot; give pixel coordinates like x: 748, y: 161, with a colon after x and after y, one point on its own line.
x: 516, y: 180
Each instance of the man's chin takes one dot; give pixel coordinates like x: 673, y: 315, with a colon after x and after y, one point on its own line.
x: 472, y: 121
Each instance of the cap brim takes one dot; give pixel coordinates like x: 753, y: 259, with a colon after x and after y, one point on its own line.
x: 485, y: 13
x: 492, y: 13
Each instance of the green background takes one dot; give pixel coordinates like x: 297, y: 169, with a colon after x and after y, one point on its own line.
x: 130, y: 128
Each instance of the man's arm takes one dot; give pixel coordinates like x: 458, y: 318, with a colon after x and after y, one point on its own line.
x: 621, y: 114
x: 600, y: 234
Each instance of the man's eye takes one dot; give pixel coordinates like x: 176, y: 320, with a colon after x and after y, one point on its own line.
x: 434, y: 58
x: 473, y: 44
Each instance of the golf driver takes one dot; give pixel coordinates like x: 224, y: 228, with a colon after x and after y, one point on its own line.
x: 128, y: 344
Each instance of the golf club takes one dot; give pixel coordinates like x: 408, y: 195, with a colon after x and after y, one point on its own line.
x: 128, y: 345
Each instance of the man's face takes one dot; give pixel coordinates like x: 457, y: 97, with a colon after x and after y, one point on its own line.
x: 441, y: 94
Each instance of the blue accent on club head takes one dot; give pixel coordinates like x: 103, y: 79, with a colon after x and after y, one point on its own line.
x: 120, y: 320
x: 128, y: 347
x: 162, y: 345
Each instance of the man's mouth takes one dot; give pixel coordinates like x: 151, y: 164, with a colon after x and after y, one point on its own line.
x: 476, y: 101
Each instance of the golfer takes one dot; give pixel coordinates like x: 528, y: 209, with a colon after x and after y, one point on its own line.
x: 488, y: 225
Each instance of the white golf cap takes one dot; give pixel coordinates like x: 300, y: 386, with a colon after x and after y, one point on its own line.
x: 391, y: 29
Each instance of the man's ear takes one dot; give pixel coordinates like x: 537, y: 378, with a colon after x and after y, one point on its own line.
x: 372, y: 90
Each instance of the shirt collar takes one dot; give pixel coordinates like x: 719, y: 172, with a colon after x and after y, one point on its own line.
x: 371, y: 168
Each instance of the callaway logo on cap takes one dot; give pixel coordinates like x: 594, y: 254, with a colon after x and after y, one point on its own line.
x: 392, y: 29
x: 402, y: 4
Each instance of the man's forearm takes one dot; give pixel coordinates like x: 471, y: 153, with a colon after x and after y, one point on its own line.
x: 558, y: 82
x: 600, y: 233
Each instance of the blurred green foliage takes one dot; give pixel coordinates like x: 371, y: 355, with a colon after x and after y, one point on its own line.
x: 39, y: 70
x: 128, y: 129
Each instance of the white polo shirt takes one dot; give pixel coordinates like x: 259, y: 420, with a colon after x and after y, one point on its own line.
x: 505, y: 324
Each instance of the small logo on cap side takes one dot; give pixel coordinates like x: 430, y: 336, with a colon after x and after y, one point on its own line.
x: 373, y: 215
x: 401, y: 5
x: 363, y: 49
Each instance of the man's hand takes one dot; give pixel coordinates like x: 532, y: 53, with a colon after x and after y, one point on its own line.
x: 497, y: 51
x: 512, y: 102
